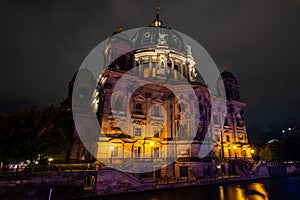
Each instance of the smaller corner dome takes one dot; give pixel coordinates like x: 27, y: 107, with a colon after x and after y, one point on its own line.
x: 119, y: 35
x: 154, y: 36
x: 227, y: 74
x: 85, y: 74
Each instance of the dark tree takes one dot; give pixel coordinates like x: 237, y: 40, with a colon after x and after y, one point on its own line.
x: 33, y: 131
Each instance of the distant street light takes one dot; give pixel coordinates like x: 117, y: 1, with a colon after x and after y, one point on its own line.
x: 252, y: 151
x: 218, y: 169
x: 289, y: 129
x: 49, y: 162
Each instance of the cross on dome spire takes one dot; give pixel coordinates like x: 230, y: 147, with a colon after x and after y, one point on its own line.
x: 157, y: 12
x: 157, y: 22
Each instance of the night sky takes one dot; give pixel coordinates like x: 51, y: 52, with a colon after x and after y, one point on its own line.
x: 43, y: 43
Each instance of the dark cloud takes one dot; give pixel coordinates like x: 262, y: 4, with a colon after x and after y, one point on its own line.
x: 44, y: 42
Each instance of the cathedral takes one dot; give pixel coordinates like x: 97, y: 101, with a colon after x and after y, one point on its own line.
x: 150, y: 124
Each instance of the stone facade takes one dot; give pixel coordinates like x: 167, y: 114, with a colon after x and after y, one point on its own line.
x: 155, y: 130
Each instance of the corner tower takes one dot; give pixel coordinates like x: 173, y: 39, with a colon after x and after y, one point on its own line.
x: 231, y: 85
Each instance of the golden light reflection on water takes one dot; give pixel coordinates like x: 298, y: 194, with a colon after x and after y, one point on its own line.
x: 254, y: 191
x: 221, y: 189
x: 240, y: 193
x: 260, y: 191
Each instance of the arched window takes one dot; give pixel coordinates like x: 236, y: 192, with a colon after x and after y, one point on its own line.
x: 156, y: 111
x: 146, y: 72
x: 162, y: 65
x: 138, y: 107
x: 176, y: 67
x: 138, y: 132
x: 200, y: 107
x: 153, y: 70
x: 156, y: 133
x: 181, y: 107
x: 200, y: 133
x: 240, y: 122
x: 232, y: 94
x: 121, y: 62
x: 226, y: 123
x: 227, y: 138
x: 118, y: 104
x: 216, y: 119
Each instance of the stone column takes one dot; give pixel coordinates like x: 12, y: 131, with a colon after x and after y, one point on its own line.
x: 140, y: 68
x: 188, y: 73
x: 174, y: 71
x: 128, y: 109
x: 181, y: 70
x: 148, y: 114
x: 150, y: 67
x: 166, y: 105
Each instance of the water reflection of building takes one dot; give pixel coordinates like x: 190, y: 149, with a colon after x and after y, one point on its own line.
x: 155, y: 112
x: 255, y: 191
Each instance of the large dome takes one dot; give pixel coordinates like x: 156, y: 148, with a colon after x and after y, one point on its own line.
x: 158, y: 37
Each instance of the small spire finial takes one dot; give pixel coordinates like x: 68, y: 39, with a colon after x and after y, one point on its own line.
x: 225, y: 68
x: 157, y: 22
x: 157, y: 12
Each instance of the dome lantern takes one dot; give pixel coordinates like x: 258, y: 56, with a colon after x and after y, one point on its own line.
x: 157, y: 22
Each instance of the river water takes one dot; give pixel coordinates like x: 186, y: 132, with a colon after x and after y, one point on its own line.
x: 287, y: 188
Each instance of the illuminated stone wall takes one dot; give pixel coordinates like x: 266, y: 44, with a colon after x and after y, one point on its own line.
x: 153, y: 123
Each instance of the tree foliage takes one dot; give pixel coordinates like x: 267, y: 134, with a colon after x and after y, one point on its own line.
x: 33, y: 131
x: 282, y: 150
x: 270, y: 152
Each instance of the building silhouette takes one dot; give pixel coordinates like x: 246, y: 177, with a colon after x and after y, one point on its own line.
x: 154, y: 131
